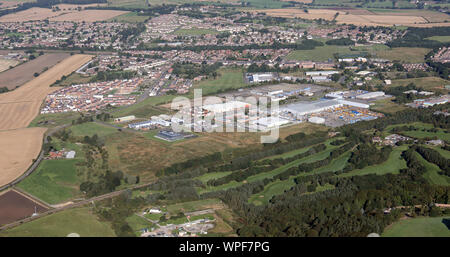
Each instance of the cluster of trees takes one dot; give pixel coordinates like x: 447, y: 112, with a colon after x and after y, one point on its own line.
x: 113, y: 75
x: 3, y: 90
x: 416, y: 37
x: 341, y: 42
x: 192, y: 70
x: 435, y: 157
x: 83, y: 119
x: 192, y: 163
x: 116, y: 210
x: 266, y: 68
x: 106, y: 183
x: 367, y: 155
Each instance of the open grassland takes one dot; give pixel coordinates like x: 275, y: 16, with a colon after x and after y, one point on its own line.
x: 387, y: 106
x: 418, y: 18
x: 138, y: 223
x: 427, y: 83
x: 432, y: 173
x: 54, y: 119
x: 18, y: 148
x: 131, y: 17
x: 91, y: 128
x: 404, y: 54
x: 23, y: 73
x: 326, y: 52
x: 69, y: 14
x: 80, y: 220
x: 135, y: 153
x: 194, y: 32
x: 443, y: 39
x: 420, y: 227
x: 199, y: 205
x: 55, y: 181
x: 19, y: 107
x: 228, y: 79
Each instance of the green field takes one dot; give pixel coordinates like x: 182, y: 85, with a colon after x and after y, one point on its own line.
x: 393, y: 165
x: 212, y: 175
x: 90, y: 129
x: 419, y: 227
x: 432, y: 174
x: 54, y: 119
x: 427, y: 83
x: 144, y: 107
x: 443, y: 39
x: 194, y: 32
x: 54, y: 181
x: 80, y: 220
x: 137, y: 223
x: 193, y: 205
x: 404, y: 54
x: 323, y: 53
x: 131, y: 17
x: 228, y: 79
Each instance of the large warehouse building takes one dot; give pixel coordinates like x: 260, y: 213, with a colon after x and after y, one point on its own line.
x: 300, y: 109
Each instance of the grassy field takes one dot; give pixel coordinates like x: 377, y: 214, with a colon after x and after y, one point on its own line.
x: 228, y: 79
x: 54, y: 181
x: 138, y: 223
x: 131, y: 17
x: 427, y: 83
x: 387, y: 106
x: 419, y: 133
x: 91, y: 128
x: 419, y: 227
x: 80, y: 220
x: 392, y: 165
x: 194, y: 205
x: 144, y: 107
x: 323, y: 53
x: 73, y: 79
x: 194, y: 32
x: 213, y: 175
x: 54, y: 119
x: 443, y: 39
x: 404, y: 54
x: 432, y: 174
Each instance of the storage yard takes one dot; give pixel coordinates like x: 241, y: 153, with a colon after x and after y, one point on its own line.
x: 92, y: 96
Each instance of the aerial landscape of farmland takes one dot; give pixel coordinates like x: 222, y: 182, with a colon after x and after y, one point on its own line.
x: 216, y: 119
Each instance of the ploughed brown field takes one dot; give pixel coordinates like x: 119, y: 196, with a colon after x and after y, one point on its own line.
x: 23, y: 73
x: 364, y: 17
x: 67, y: 13
x: 19, y: 145
x: 15, y: 206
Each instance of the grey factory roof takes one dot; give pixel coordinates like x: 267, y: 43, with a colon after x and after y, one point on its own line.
x: 301, y: 107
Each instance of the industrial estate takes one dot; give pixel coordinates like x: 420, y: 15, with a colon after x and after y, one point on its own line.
x: 146, y: 119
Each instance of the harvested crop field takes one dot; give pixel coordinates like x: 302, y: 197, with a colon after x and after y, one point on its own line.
x: 18, y: 148
x: 21, y: 74
x: 70, y: 14
x: 19, y: 107
x: 15, y: 206
x: 5, y: 64
x: 365, y: 17
x: 20, y: 145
